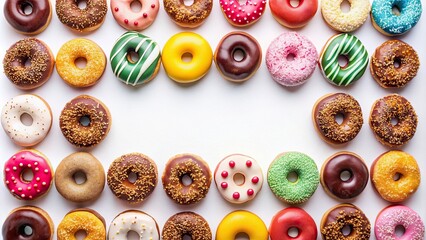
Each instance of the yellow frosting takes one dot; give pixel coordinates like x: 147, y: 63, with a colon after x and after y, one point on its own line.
x: 242, y: 222
x: 81, y: 220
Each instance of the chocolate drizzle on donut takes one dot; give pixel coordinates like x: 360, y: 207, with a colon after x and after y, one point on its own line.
x: 80, y: 19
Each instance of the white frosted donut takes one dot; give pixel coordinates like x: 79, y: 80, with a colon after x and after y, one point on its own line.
x: 136, y: 21
x: 40, y: 113
x: 133, y: 220
x: 345, y: 21
x: 229, y: 187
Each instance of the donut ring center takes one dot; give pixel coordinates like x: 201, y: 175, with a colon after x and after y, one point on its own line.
x: 80, y: 234
x: 79, y: 177
x: 27, y: 175
x: 397, y: 61
x: 132, y: 177
x: 186, y: 179
x: 239, y: 179
x: 397, y: 176
x: 292, y: 177
x: 242, y: 236
x: 26, y: 119
x: 188, y: 3
x: 80, y: 62
x: 187, y: 57
x: 295, y: 3
x: 394, y: 121
x: 290, y: 57
x: 345, y: 175
x: 345, y: 6
x: 347, y: 230
x: 396, y: 10
x: 81, y: 4
x: 132, y: 235
x: 186, y: 237
x: 132, y: 56
x: 238, y: 54
x: 85, y: 120
x: 399, y: 231
x: 25, y: 230
x: 343, y: 61
x: 26, y: 8
x: 293, y: 232
x: 136, y: 6
x: 339, y: 118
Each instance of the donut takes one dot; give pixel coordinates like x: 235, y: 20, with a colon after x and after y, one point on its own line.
x: 328, y: 108
x: 32, y: 23
x: 186, y: 43
x: 306, y: 183
x: 196, y: 169
x: 231, y: 68
x: 82, y: 219
x: 28, y: 222
x: 232, y: 167
x: 80, y: 48
x: 186, y: 224
x: 391, y: 24
x: 82, y: 20
x: 39, y: 57
x: 296, y: 71
x: 394, y: 64
x: 241, y: 221
x: 350, y: 47
x: 133, y: 220
x: 393, y: 216
x: 395, y: 176
x: 136, y: 21
x: 188, y: 16
x: 293, y: 17
x: 334, y: 166
x: 129, y: 71
x: 389, y: 108
x: 38, y: 110
x: 28, y: 160
x: 72, y: 116
x: 242, y: 14
x: 345, y: 21
x: 289, y: 218
x: 345, y: 215
x: 94, y: 175
x: 146, y: 173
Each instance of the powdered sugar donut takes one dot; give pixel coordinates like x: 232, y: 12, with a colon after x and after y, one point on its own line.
x: 391, y: 217
x: 133, y: 220
x: 286, y: 71
x: 232, y: 167
x: 136, y: 21
x: 242, y: 15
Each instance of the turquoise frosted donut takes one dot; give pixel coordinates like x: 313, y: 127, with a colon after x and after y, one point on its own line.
x: 389, y: 23
x: 307, y: 177
x: 147, y: 65
x: 343, y: 45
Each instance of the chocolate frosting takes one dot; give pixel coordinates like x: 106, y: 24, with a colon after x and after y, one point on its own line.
x: 28, y: 23
x: 14, y: 225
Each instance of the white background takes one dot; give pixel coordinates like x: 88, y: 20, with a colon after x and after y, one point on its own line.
x: 213, y: 118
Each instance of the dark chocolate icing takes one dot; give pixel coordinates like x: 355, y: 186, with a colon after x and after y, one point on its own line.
x: 27, y: 23
x: 13, y: 227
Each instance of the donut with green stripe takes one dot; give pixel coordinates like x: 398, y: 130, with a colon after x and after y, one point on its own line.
x: 352, y: 48
x: 145, y: 68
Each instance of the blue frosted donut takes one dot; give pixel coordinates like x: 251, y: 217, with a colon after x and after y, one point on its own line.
x: 390, y: 23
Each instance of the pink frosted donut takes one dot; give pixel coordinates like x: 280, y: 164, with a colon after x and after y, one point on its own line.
x: 15, y: 167
x: 291, y: 59
x: 136, y: 21
x: 391, y: 217
x: 242, y: 15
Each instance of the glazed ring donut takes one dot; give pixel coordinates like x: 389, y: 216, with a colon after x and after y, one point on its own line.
x: 188, y: 16
x: 196, y: 169
x: 324, y: 114
x: 395, y: 176
x: 31, y: 23
x: 186, y: 224
x: 146, y: 177
x: 292, y: 217
x: 84, y: 49
x: 307, y: 177
x: 242, y: 222
x: 345, y: 21
x: 82, y: 219
x: 342, y: 215
x: 80, y: 108
x: 38, y: 164
x: 133, y: 220
x: 18, y: 131
x: 136, y: 21
x: 142, y: 71
x: 382, y: 113
x: 391, y: 24
x: 238, y: 70
x: 394, y: 64
x: 87, y: 164
x: 22, y: 218
x: 242, y: 14
x: 334, y: 166
x: 83, y: 20
x: 293, y: 17
x: 41, y: 63
x: 343, y: 45
x: 186, y: 43
x: 393, y: 216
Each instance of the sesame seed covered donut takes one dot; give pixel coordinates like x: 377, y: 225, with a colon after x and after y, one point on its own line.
x: 186, y: 224
x: 242, y: 14
x: 136, y: 21
x: 133, y: 220
x: 188, y: 16
x: 83, y: 20
x: 31, y: 23
x: 345, y: 21
x: 82, y: 219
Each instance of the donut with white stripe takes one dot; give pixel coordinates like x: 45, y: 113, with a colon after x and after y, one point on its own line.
x: 133, y: 220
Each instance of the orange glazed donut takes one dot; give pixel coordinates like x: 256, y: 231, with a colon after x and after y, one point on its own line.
x: 293, y: 17
x: 82, y: 219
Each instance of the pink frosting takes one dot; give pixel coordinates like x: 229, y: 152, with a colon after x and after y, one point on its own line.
x: 293, y: 72
x: 393, y: 216
x: 243, y: 14
x: 42, y: 172
x: 136, y: 21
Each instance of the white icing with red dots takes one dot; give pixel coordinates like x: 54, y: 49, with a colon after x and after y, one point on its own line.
x: 238, y: 164
x: 243, y: 14
x: 136, y: 21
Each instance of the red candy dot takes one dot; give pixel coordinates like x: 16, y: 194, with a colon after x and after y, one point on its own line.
x: 136, y: 23
x: 126, y: 21
x: 248, y: 163
x: 116, y: 9
x: 232, y: 164
x: 224, y: 185
x: 250, y: 192
x: 236, y: 195
x: 145, y: 15
x: 224, y: 174
x: 255, y: 180
x: 153, y: 6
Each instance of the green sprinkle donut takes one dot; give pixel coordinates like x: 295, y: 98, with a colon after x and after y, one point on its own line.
x: 307, y: 177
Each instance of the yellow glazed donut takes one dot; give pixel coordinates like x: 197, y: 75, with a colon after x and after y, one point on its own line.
x: 241, y: 222
x: 345, y: 21
x: 82, y: 219
x: 187, y: 43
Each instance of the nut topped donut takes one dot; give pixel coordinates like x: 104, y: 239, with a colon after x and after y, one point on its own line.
x: 31, y: 23
x: 83, y: 20
x: 136, y: 21
x: 188, y: 16
x: 242, y: 14
x: 186, y: 224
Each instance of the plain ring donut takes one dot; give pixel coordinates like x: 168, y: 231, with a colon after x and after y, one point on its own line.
x: 32, y: 23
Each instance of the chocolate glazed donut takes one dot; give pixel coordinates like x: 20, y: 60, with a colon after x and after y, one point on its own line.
x: 31, y: 23
x: 224, y: 57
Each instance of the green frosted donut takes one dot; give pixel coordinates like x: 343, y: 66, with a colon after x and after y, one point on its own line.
x: 307, y: 177
x: 141, y: 71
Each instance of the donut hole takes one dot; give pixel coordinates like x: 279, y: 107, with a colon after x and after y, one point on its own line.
x: 347, y: 230
x: 292, y: 177
x: 293, y: 232
x: 84, y: 120
x: 187, y: 57
x: 188, y: 2
x: 345, y: 6
x: 80, y: 62
x: 186, y: 179
x: 343, y: 61
x: 397, y: 176
x: 339, y: 117
x: 25, y: 230
x: 294, y: 3
x: 397, y: 62
x: 394, y: 121
x: 399, y: 231
x: 290, y: 57
x: 238, y: 55
x: 132, y: 56
x: 186, y: 237
x: 132, y: 235
x: 82, y: 4
x: 136, y: 6
x: 80, y: 235
x: 27, y: 62
x: 26, y: 8
x: 396, y: 10
x: 132, y: 177
x: 345, y: 175
x: 26, y: 119
x: 239, y: 179
x: 27, y: 175
x: 79, y: 177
